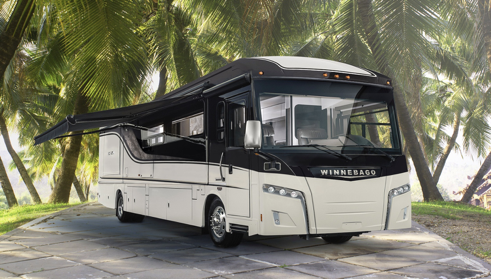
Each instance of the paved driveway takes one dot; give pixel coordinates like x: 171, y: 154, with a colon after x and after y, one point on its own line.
x: 89, y: 242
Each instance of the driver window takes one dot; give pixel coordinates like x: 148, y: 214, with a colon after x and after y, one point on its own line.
x: 237, y: 121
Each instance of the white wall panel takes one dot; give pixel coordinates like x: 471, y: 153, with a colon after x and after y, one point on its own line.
x: 181, y: 172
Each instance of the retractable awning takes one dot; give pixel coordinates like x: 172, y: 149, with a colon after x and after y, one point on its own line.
x: 100, y: 119
x: 127, y: 114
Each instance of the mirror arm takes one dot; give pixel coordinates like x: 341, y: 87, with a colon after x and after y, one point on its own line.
x: 265, y: 156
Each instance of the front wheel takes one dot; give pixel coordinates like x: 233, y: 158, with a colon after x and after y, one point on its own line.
x: 217, y: 226
x: 337, y: 239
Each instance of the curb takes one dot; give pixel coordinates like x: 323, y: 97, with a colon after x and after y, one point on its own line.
x: 455, y: 248
x: 43, y: 218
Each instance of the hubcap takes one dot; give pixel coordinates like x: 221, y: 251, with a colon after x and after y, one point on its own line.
x: 217, y: 221
x: 120, y: 206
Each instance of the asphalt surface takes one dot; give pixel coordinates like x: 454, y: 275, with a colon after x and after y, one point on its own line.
x: 88, y: 241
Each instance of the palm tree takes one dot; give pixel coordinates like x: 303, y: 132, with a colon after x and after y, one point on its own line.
x: 11, y: 35
x: 169, y: 31
x: 6, y: 186
x: 397, y: 35
x: 472, y: 21
x: 18, y: 162
x: 15, y: 104
x: 105, y: 70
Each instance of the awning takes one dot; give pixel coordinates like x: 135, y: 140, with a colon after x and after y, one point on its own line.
x: 112, y: 117
x: 100, y: 119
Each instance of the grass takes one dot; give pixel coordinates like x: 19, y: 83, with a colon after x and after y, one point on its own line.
x: 19, y: 215
x: 449, y: 210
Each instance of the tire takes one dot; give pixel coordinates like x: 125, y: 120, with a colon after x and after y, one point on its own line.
x: 123, y: 216
x: 337, y: 239
x: 216, y: 226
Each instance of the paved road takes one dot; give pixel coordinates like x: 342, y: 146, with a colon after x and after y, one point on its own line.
x: 89, y: 242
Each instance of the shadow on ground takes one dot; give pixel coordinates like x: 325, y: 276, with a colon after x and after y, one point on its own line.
x: 89, y: 242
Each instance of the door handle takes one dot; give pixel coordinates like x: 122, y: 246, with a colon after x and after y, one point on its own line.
x: 220, y: 167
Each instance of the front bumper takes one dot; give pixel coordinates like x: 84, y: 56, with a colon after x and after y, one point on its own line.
x: 334, y: 207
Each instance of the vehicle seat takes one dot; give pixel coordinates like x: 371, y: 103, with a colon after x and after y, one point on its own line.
x: 304, y: 134
x: 268, y: 135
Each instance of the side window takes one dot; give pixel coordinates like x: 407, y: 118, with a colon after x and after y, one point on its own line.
x: 188, y: 126
x: 181, y: 139
x: 236, y: 121
x: 220, y: 122
x: 152, y: 136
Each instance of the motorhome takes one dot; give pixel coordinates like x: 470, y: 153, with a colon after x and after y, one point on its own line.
x: 263, y: 146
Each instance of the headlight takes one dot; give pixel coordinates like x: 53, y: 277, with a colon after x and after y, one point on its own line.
x: 282, y: 191
x: 400, y: 190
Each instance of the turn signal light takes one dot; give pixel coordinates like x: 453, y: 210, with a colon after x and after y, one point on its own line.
x: 348, y: 77
x: 325, y: 74
x: 261, y: 73
x: 336, y: 76
x: 388, y: 82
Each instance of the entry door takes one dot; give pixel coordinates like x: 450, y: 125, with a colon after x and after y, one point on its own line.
x: 236, y: 160
x: 227, y: 153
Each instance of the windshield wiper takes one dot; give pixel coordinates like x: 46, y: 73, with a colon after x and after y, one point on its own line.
x: 392, y: 159
x: 321, y: 148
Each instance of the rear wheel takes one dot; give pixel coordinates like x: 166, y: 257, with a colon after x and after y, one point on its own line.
x: 124, y: 216
x: 337, y: 239
x: 217, y: 226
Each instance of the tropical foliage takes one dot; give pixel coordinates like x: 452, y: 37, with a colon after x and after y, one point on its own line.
x: 67, y: 57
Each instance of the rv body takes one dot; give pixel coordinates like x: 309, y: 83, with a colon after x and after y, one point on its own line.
x: 328, y: 163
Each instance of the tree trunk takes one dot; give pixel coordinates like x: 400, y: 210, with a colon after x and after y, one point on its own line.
x: 87, y: 190
x: 12, y: 35
x: 483, y: 170
x: 430, y: 191
x: 78, y: 188
x: 413, y: 99
x: 372, y: 130
x: 18, y: 162
x: 6, y: 186
x: 162, y: 83
x: 447, y: 150
x: 61, y: 192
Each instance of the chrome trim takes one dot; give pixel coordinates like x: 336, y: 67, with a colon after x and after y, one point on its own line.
x: 300, y: 196
x: 220, y: 167
x: 389, y: 205
x: 305, y: 213
x: 389, y: 202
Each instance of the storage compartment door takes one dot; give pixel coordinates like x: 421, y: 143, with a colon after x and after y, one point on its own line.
x: 136, y: 196
x: 110, y: 152
x: 179, y: 204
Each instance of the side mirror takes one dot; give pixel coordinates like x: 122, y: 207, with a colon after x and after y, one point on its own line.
x: 252, y: 138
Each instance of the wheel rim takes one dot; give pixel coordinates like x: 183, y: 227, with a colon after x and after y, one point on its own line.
x: 120, y: 206
x: 217, y: 221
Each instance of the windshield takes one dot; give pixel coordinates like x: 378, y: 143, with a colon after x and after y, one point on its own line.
x: 340, y: 116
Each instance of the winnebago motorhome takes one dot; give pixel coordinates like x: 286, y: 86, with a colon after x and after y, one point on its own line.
x: 263, y: 146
